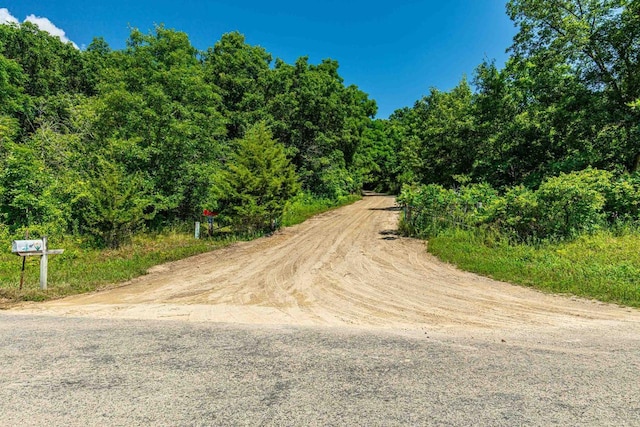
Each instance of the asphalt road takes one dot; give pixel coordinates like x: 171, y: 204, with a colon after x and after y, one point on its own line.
x: 57, y: 371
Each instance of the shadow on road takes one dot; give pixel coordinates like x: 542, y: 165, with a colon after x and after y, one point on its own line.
x: 390, y: 208
x: 389, y: 234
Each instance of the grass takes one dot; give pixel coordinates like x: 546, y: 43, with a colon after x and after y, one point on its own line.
x: 80, y: 269
x: 602, y: 266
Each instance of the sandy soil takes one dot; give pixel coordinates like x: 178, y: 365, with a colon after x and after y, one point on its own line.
x: 345, y: 267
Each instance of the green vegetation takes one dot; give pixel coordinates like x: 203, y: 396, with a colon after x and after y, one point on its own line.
x: 258, y: 180
x: 602, y: 266
x: 567, y: 99
x: 564, y: 206
x: 81, y: 269
x: 102, y: 144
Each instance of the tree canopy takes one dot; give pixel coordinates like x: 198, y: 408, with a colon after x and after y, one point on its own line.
x: 566, y: 100
x: 103, y: 142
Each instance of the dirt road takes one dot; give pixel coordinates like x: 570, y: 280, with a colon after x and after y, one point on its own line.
x: 345, y: 267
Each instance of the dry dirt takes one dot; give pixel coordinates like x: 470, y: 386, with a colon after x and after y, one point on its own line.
x: 342, y: 268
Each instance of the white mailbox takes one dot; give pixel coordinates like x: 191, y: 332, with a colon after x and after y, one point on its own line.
x: 27, y: 247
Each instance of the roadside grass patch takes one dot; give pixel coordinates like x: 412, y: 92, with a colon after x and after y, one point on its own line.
x: 80, y: 269
x: 603, y: 266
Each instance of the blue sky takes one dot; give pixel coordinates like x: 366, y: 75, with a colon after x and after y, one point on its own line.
x: 394, y: 51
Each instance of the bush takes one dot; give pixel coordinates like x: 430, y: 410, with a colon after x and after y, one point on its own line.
x: 112, y: 206
x: 430, y: 209
x: 516, y: 214
x: 573, y: 203
x: 623, y: 199
x: 564, y: 206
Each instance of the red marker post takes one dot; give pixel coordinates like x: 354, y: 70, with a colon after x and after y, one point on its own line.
x: 210, y: 215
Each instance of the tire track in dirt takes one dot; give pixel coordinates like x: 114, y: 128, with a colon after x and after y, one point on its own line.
x: 344, y: 267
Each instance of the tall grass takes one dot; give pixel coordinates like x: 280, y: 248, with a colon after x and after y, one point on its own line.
x: 603, y: 266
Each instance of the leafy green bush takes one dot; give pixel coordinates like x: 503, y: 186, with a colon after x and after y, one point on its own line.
x: 573, y: 203
x: 623, y: 199
x: 424, y: 208
x: 515, y: 214
x: 431, y: 209
x: 475, y: 201
x: 562, y: 207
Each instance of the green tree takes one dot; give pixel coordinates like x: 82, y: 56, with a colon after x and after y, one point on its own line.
x: 377, y: 159
x: 27, y: 192
x: 240, y: 71
x: 252, y: 190
x: 12, y: 80
x: 321, y: 121
x: 96, y: 59
x: 532, y: 121
x: 439, y: 132
x: 113, y: 204
x: 599, y: 41
x: 51, y: 66
x: 156, y: 115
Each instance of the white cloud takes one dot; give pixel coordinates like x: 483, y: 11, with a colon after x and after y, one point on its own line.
x: 45, y: 25
x: 6, y: 17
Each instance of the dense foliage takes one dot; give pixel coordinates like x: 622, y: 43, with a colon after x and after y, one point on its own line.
x: 562, y: 206
x: 547, y: 147
x: 101, y: 143
x: 568, y: 98
x: 252, y: 189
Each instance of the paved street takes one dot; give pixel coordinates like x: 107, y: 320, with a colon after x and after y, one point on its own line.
x: 80, y: 371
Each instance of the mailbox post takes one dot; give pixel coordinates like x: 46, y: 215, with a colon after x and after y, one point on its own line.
x: 39, y: 248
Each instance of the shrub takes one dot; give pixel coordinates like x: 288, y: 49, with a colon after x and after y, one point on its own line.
x: 259, y: 179
x: 516, y: 214
x: 623, y: 199
x: 572, y: 203
x: 564, y: 206
x: 431, y: 209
